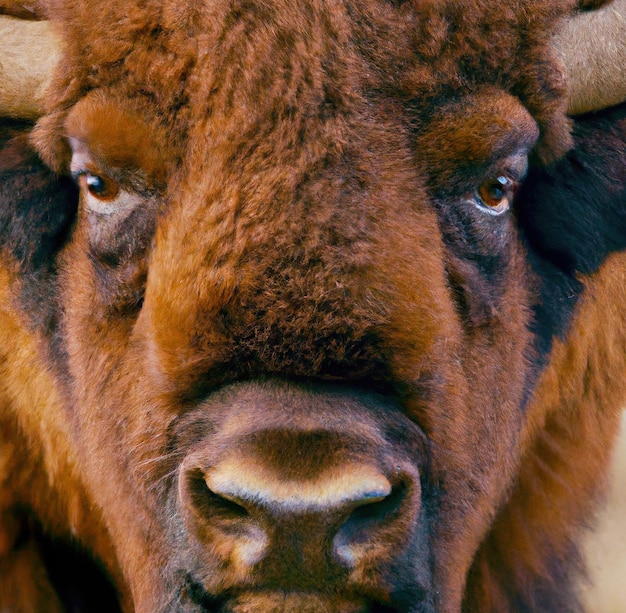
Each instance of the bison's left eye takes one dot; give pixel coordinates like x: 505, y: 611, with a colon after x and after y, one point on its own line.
x: 102, y: 195
x: 98, y: 186
x: 495, y: 196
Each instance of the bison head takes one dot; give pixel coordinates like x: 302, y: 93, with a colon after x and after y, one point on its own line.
x: 309, y: 335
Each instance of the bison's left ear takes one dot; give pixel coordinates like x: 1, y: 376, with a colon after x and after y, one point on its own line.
x: 572, y: 216
x: 573, y: 213
x: 37, y: 209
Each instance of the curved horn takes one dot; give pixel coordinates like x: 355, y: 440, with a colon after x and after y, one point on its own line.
x: 592, y: 46
x: 29, y: 53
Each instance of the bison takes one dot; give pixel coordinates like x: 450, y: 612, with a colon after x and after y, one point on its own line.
x: 309, y: 306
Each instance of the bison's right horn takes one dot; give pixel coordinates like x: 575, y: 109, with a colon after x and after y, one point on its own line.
x: 29, y: 53
x: 592, y: 46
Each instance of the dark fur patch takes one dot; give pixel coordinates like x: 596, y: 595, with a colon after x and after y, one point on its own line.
x: 572, y: 215
x: 81, y: 583
x: 37, y: 209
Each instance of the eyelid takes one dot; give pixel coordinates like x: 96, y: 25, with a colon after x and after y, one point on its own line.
x: 80, y: 170
x: 515, y: 167
x: 78, y: 173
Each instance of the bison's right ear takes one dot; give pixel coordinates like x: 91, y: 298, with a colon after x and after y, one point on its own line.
x: 37, y: 209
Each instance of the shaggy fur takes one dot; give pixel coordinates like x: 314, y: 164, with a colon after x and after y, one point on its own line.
x: 285, y: 347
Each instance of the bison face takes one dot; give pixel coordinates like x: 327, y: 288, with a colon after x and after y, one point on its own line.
x: 358, y: 265
x: 295, y: 323
x: 334, y: 266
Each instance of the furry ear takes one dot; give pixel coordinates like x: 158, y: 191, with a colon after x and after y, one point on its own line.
x: 37, y: 209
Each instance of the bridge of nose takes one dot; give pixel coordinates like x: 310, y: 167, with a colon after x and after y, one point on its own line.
x: 298, y: 470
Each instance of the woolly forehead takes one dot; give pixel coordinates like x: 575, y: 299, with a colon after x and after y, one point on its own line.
x: 421, y: 52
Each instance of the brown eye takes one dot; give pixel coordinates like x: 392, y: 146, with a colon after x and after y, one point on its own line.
x: 496, y: 195
x: 99, y: 186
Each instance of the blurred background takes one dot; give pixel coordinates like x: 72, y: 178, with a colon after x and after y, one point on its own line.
x: 606, y: 548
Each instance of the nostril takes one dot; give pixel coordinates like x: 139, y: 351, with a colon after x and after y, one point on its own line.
x: 363, y: 526
x: 208, y: 503
x: 224, y: 506
x: 228, y: 527
x: 376, y: 508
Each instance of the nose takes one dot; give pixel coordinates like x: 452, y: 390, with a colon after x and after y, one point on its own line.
x: 301, y: 505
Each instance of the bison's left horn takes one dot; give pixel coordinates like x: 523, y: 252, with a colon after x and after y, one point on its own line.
x: 29, y: 53
x: 592, y: 46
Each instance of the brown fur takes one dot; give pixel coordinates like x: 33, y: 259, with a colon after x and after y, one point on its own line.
x: 31, y: 10
x: 568, y: 419
x: 293, y: 282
